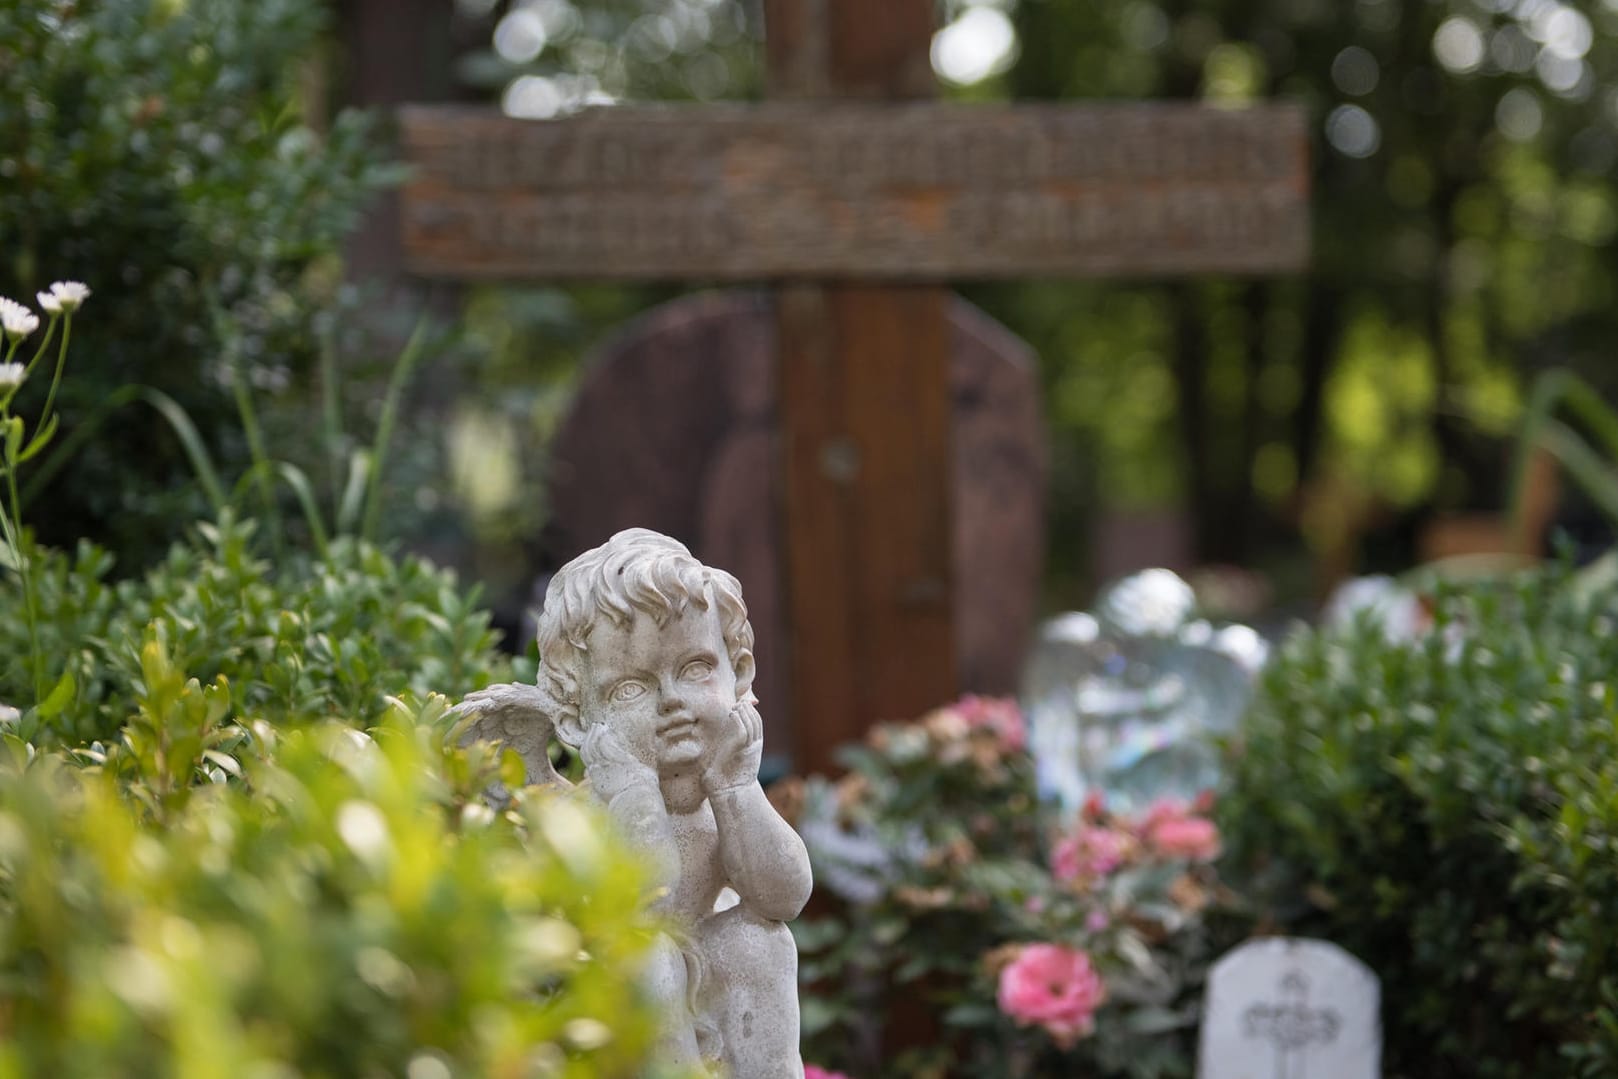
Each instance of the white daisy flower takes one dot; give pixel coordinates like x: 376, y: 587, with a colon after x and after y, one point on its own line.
x: 49, y: 303
x: 70, y: 294
x: 16, y: 320
x: 11, y: 376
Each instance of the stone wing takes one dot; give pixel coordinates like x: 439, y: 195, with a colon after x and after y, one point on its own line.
x: 512, y: 715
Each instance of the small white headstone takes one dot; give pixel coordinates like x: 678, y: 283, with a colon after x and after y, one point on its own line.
x: 1291, y: 1009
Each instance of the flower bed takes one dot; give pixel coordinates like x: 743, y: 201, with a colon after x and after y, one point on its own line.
x: 1033, y: 949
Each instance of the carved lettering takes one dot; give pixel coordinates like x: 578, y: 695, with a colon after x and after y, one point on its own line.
x: 920, y: 192
x: 568, y: 228
x: 1039, y: 226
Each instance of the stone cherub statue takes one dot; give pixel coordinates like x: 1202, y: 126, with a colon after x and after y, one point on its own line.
x: 646, y: 668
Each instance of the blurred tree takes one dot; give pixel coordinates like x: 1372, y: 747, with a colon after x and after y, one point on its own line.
x: 1462, y: 228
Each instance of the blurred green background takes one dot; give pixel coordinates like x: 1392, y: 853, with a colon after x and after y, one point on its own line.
x: 1306, y: 426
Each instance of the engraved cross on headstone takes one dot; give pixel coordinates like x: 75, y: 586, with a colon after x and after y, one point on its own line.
x: 1291, y: 1026
x: 859, y: 212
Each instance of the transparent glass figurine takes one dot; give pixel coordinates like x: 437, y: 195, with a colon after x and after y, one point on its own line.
x: 1129, y: 700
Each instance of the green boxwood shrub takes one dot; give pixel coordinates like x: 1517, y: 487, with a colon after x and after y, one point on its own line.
x: 288, y: 867
x: 312, y: 636
x: 1447, y: 809
x: 331, y: 904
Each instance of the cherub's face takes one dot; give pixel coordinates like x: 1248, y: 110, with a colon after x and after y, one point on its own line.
x: 658, y: 686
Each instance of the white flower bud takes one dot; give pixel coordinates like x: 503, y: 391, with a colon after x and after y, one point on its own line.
x: 11, y: 376
x: 70, y: 294
x: 49, y: 303
x: 16, y: 320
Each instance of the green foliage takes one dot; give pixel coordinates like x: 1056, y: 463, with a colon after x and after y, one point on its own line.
x: 157, y: 150
x: 210, y: 895
x: 1447, y: 810
x: 1462, y: 217
x: 311, y: 636
x: 290, y: 869
x: 948, y: 867
x: 1595, y: 468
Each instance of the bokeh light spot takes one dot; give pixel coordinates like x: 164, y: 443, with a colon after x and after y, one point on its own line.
x: 1519, y: 116
x: 1353, y: 132
x: 1356, y: 72
x: 1458, y: 45
x: 520, y: 37
x: 980, y: 43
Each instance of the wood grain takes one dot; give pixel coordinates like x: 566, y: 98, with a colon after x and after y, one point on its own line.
x: 906, y: 192
x: 864, y: 405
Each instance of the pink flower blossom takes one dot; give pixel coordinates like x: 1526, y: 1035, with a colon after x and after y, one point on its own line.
x: 1173, y: 830
x: 1053, y: 987
x: 1096, y: 921
x: 999, y: 714
x: 1164, y: 809
x: 1191, y: 837
x: 810, y: 1071
x: 1089, y: 854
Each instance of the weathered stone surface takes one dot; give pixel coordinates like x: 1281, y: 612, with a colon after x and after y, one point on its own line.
x: 674, y: 429
x: 646, y: 671
x: 1287, y: 1008
x: 913, y: 192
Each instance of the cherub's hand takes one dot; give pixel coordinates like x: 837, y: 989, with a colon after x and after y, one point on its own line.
x: 735, y: 747
x: 612, y: 765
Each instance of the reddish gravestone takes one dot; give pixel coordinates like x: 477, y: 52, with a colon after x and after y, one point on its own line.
x: 675, y: 428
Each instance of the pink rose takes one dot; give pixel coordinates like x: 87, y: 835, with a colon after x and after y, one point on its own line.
x: 998, y: 714
x: 1089, y: 854
x: 1053, y: 987
x: 1164, y: 809
x: 810, y: 1071
x: 1173, y: 830
x: 1190, y: 837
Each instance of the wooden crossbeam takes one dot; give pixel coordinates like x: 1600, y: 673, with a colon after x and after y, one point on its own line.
x: 908, y: 192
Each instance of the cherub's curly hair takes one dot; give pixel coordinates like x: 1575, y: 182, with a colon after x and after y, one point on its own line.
x: 638, y: 571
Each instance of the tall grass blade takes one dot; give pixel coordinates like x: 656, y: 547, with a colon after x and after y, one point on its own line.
x: 1552, y: 390
x: 1598, y: 475
x: 331, y: 409
x: 191, y: 443
x: 354, y: 491
x: 403, y: 371
x: 297, y: 482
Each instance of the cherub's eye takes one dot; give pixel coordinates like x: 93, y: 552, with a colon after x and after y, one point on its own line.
x: 696, y: 670
x: 624, y: 692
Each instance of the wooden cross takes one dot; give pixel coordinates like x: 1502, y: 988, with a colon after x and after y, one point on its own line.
x: 1291, y: 1026
x: 858, y: 211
